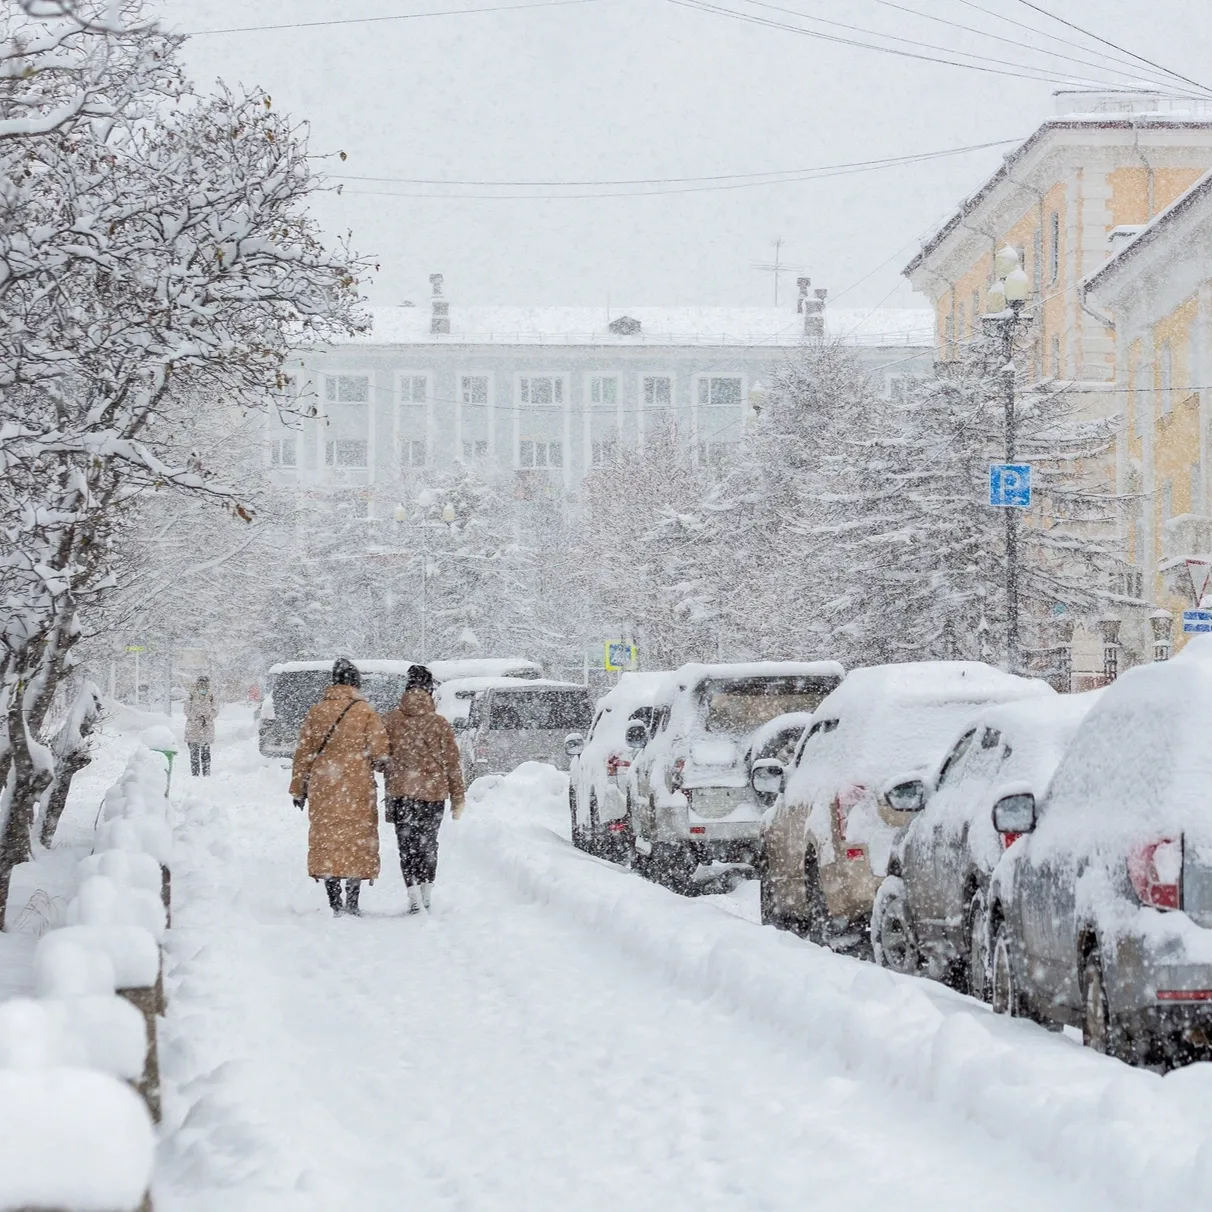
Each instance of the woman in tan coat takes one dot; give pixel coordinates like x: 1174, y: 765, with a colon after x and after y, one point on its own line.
x: 422, y: 773
x: 341, y: 742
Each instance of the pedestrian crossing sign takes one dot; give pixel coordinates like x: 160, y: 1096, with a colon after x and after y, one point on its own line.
x: 620, y: 655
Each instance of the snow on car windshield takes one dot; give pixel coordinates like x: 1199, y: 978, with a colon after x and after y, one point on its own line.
x: 737, y: 706
x: 568, y: 710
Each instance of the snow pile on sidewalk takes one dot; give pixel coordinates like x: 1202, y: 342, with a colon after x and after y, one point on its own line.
x: 73, y: 1132
x: 1137, y: 1138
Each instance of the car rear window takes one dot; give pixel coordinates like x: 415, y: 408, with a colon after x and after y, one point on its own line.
x: 383, y: 690
x: 736, y: 706
x: 295, y: 693
x: 567, y: 710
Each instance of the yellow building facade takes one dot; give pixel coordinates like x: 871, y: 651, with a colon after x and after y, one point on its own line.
x: 1157, y: 291
x: 1084, y: 184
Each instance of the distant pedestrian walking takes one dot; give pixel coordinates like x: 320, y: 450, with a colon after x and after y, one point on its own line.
x: 200, y: 712
x: 422, y: 773
x: 341, y: 742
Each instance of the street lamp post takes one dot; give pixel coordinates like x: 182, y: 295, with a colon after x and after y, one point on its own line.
x: 448, y: 516
x: 1007, y: 296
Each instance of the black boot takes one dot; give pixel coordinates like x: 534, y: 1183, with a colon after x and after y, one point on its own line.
x: 352, y: 889
x: 333, y: 888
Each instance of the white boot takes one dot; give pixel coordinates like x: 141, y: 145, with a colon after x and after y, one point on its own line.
x: 415, y: 904
x: 426, y: 892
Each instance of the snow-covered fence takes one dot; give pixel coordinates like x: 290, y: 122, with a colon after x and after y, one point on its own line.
x: 79, y: 1063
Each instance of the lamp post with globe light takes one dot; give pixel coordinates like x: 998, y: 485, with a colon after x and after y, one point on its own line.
x: 1006, y: 300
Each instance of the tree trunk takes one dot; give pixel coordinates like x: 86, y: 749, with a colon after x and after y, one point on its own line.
x: 69, y: 768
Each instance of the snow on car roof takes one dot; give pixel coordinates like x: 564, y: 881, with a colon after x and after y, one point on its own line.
x: 442, y: 670
x: 790, y: 719
x: 1140, y: 766
x: 633, y: 689
x: 931, y: 681
x: 520, y: 685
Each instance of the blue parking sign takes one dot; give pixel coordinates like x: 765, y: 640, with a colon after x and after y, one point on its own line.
x: 1010, y: 485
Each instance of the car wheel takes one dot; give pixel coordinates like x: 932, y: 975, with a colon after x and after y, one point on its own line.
x: 892, y: 936
x: 1003, y: 989
x: 1100, y: 1031
x: 673, y: 866
x: 816, y: 916
x: 976, y: 962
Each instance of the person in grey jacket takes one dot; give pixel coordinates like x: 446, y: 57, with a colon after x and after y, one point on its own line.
x: 200, y: 712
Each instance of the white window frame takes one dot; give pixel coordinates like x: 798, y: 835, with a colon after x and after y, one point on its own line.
x: 642, y: 410
x: 714, y: 439
x: 275, y: 450
x: 590, y: 410
x: 398, y: 438
x: 561, y: 377
x: 323, y: 418
x: 546, y: 443
x: 561, y: 408
x: 489, y: 408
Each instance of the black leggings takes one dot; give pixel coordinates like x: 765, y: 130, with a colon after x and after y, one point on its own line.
x: 199, y: 755
x: 417, y: 824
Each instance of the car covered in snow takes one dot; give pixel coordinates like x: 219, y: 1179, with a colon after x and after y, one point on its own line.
x: 600, y: 762
x: 1100, y: 912
x: 929, y: 914
x: 518, y: 721
x: 692, y: 802
x: 295, y: 686
x: 856, y: 780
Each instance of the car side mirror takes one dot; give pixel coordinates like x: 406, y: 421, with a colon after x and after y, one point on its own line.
x: 1015, y: 813
x: 459, y: 723
x: 637, y: 735
x: 574, y: 744
x: 909, y: 796
x: 767, y: 777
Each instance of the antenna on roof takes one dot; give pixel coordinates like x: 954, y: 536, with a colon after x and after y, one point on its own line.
x: 777, y: 266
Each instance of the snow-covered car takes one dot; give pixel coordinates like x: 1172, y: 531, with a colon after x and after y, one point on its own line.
x: 929, y: 914
x: 691, y: 798
x: 524, y: 721
x: 1100, y: 911
x: 600, y: 762
x: 455, y: 699
x: 858, y: 776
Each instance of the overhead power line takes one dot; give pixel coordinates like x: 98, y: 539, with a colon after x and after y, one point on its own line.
x: 438, y: 12
x: 756, y: 178
x: 809, y: 175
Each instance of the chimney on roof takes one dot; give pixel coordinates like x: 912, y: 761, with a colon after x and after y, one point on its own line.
x: 440, y: 320
x: 814, y: 312
x: 803, y: 284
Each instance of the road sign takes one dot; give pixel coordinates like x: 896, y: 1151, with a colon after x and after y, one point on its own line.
x: 620, y: 655
x: 1200, y: 571
x: 135, y: 648
x: 1010, y: 485
x: 1197, y: 620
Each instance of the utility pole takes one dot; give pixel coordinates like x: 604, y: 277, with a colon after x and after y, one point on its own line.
x: 1012, y: 641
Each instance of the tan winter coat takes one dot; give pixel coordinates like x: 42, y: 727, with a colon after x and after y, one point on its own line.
x: 339, y: 783
x: 200, y: 712
x: 424, y: 762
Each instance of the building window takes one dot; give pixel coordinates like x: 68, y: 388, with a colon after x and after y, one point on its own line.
x: 540, y: 454
x: 713, y: 454
x: 1197, y: 484
x: 961, y: 325
x: 412, y: 452
x: 976, y: 310
x: 474, y: 389
x: 346, y: 452
x: 413, y: 389
x: 1056, y: 357
x: 541, y: 391
x: 720, y: 393
x: 604, y: 391
x: 347, y: 389
x: 1054, y: 246
x: 948, y: 337
x: 283, y: 452
x: 1167, y: 500
x: 601, y: 451
x: 658, y: 392
x: 474, y: 450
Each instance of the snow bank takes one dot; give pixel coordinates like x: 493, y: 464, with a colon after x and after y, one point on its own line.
x: 1137, y: 1138
x: 72, y: 1138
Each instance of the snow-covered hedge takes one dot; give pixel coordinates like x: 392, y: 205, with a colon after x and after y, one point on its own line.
x: 75, y: 1059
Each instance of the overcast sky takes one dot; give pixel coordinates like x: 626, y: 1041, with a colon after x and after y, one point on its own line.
x: 645, y: 89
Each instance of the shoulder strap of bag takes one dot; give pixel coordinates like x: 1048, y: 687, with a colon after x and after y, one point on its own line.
x: 324, y: 742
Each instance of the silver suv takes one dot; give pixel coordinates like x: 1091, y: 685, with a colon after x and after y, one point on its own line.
x: 525, y: 722
x: 691, y: 802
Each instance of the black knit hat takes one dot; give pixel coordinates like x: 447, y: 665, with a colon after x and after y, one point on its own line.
x: 419, y: 678
x: 345, y: 673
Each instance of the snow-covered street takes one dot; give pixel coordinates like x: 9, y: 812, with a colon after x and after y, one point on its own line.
x: 560, y: 1034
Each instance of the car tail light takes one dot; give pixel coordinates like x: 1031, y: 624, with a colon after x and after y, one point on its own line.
x: 698, y: 828
x: 616, y: 827
x: 855, y: 852
x: 844, y: 801
x: 675, y: 775
x: 1156, y: 872
x: 1008, y: 839
x: 615, y: 762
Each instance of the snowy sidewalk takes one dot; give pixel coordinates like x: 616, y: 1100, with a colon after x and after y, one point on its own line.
x: 497, y: 1055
